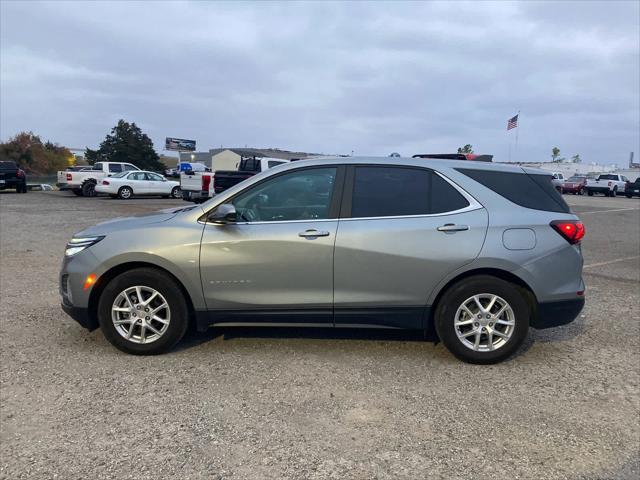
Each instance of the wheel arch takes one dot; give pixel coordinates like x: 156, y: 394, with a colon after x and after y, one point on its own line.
x: 528, y: 293
x: 113, y: 272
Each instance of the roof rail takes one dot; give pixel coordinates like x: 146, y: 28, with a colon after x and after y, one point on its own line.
x: 456, y: 156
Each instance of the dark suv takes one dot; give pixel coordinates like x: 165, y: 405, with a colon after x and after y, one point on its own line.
x: 11, y: 176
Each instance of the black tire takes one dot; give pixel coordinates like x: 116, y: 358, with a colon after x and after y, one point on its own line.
x: 77, y: 191
x: 455, y: 296
x: 614, y: 193
x: 628, y: 195
x: 590, y: 193
x: 22, y: 188
x: 125, y: 193
x: 167, y: 287
x: 89, y: 189
x: 176, y: 192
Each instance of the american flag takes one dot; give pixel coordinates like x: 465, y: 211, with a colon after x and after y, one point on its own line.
x: 512, y: 122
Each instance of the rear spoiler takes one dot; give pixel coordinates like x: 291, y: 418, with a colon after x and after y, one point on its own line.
x: 456, y: 156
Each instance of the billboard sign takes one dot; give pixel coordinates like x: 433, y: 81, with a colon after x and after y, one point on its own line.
x: 180, y: 144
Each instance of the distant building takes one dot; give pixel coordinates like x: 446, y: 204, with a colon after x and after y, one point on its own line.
x: 229, y: 158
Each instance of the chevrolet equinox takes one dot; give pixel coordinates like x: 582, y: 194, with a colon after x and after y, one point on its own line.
x: 477, y: 251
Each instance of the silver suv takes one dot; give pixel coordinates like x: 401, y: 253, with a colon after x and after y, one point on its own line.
x: 476, y: 251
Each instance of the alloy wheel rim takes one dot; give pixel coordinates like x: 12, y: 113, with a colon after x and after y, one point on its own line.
x: 140, y: 314
x: 126, y: 193
x: 176, y: 192
x: 484, y: 322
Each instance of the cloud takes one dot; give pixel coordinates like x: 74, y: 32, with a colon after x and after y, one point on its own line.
x: 329, y: 77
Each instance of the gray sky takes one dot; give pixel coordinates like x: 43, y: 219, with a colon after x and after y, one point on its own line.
x: 329, y: 77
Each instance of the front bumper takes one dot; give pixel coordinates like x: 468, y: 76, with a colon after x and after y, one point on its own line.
x: 554, y: 314
x: 80, y: 315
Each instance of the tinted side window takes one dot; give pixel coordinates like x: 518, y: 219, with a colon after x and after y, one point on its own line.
x: 397, y: 191
x: 128, y: 167
x: 273, y: 163
x: 445, y: 198
x: 97, y: 166
x: 390, y: 191
x: 530, y: 191
x: 115, y: 167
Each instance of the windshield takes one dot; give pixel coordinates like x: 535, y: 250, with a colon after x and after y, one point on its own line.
x: 119, y: 175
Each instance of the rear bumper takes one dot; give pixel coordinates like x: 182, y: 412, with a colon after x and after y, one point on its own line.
x: 554, y: 314
x: 80, y: 315
x: 195, y: 195
x: 12, y: 182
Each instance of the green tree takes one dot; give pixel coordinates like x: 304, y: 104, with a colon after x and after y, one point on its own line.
x: 576, y: 158
x: 555, y: 155
x: 468, y: 148
x: 126, y: 143
x: 33, y: 156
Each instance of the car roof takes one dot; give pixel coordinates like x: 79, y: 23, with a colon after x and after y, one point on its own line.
x: 436, y: 164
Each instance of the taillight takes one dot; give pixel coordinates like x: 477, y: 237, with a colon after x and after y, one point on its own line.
x: 68, y: 177
x: 572, y: 230
x: 206, y: 181
x: 105, y: 182
x: 609, y: 184
x: 19, y: 174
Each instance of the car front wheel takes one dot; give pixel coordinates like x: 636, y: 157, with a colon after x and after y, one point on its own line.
x: 176, y: 192
x: 482, y: 319
x: 143, y: 312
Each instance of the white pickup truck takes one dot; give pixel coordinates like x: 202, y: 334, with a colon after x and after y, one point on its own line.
x: 610, y: 184
x: 201, y: 186
x: 83, y: 182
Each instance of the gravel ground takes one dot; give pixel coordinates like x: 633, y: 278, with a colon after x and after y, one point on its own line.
x: 262, y: 403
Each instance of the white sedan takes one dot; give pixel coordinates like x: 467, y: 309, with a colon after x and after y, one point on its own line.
x: 127, y: 184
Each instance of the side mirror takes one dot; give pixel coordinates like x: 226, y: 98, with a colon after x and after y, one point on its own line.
x: 225, y: 213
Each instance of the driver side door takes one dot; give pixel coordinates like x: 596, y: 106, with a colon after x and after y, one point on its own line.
x: 274, y: 265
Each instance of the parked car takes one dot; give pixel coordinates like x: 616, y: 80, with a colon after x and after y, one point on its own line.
x: 557, y: 180
x: 632, y: 189
x: 12, y: 176
x: 479, y: 251
x: 201, y: 186
x: 83, y: 182
x: 609, y: 184
x: 128, y: 184
x: 574, y: 185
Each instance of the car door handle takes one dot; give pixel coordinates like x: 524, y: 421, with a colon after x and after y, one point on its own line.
x: 450, y: 227
x: 314, y: 233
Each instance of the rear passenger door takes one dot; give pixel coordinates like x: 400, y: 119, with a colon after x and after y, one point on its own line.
x: 401, y: 231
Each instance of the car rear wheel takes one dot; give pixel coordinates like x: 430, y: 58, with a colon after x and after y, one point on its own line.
x: 176, y: 192
x: 482, y: 319
x: 125, y: 193
x: 590, y: 193
x: 143, y: 312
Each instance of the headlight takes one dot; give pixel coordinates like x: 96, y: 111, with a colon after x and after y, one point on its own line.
x: 77, y: 244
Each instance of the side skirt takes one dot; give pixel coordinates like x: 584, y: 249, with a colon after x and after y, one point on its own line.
x: 409, y: 318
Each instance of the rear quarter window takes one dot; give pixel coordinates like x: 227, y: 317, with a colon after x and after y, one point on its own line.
x: 534, y: 191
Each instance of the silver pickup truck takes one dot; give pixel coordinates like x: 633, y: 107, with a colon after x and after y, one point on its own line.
x: 609, y: 184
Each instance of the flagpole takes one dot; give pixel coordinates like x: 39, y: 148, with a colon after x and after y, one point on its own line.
x: 517, y: 130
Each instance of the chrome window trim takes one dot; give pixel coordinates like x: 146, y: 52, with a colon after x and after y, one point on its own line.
x: 473, y: 205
